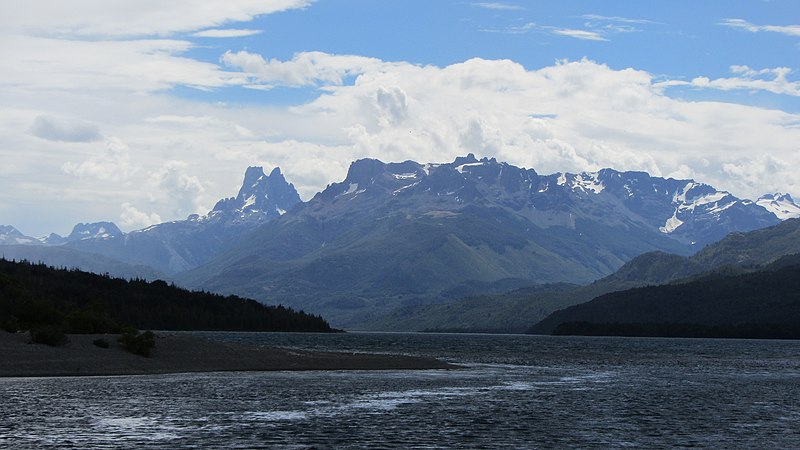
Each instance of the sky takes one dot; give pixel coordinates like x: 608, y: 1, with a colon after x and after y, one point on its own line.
x: 140, y: 112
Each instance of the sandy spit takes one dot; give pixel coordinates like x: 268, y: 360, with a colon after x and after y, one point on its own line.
x: 178, y: 354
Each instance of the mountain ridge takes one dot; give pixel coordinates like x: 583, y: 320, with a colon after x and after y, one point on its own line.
x: 436, y: 226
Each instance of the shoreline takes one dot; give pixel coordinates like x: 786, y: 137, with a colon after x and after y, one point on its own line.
x: 182, y: 354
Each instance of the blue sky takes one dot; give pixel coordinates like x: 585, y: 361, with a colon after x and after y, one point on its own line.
x: 143, y: 111
x: 675, y: 40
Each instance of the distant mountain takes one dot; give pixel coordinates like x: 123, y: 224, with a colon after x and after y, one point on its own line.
x: 177, y: 246
x: 516, y: 310
x: 782, y: 205
x: 737, y: 255
x: 400, y: 234
x: 53, y: 239
x: 62, y: 256
x: 94, y: 231
x: 11, y: 236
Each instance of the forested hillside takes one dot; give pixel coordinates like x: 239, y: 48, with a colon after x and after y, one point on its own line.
x: 35, y: 294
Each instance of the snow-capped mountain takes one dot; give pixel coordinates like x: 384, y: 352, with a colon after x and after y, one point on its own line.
x: 261, y: 198
x: 180, y: 245
x: 410, y: 232
x: 93, y: 231
x: 11, y: 236
x: 53, y: 239
x: 694, y: 214
x: 782, y: 205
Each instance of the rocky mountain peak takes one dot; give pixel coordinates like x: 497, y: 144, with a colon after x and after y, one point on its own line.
x: 96, y: 230
x: 260, y: 198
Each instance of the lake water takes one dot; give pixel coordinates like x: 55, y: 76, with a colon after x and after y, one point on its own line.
x: 514, y: 392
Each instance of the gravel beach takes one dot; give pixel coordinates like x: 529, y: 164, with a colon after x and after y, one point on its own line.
x: 177, y: 354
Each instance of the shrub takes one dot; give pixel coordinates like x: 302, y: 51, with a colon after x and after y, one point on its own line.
x: 102, y: 343
x: 138, y: 343
x: 51, y: 335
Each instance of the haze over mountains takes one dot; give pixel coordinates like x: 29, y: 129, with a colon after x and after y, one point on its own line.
x: 403, y: 234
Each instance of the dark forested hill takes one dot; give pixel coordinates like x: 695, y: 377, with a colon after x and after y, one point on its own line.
x: 35, y: 294
x: 759, y: 304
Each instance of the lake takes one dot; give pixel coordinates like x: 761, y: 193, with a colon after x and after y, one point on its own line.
x: 514, y: 392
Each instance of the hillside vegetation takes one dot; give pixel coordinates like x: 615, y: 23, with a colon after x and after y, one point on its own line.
x: 764, y: 303
x: 33, y: 295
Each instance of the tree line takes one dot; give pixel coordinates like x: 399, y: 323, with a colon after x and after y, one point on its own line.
x: 35, y: 295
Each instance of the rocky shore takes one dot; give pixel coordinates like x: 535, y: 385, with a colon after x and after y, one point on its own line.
x: 177, y: 354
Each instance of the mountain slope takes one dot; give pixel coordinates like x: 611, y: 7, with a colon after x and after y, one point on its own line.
x: 403, y: 233
x: 516, y: 311
x: 738, y: 254
x: 761, y: 298
x: 11, y: 236
x: 173, y: 247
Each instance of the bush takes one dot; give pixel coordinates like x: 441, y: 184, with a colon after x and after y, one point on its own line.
x: 102, y: 343
x: 49, y: 335
x: 10, y: 324
x: 138, y: 343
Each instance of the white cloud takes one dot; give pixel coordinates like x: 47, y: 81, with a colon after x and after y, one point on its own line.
x: 131, y: 217
x: 112, y: 165
x: 65, y: 130
x: 226, y: 33
x: 42, y: 64
x: 771, y: 80
x: 304, y: 69
x: 175, y: 191
x: 789, y: 30
x: 602, y: 18
x: 570, y: 116
x: 97, y: 18
x: 580, y: 34
x: 498, y: 6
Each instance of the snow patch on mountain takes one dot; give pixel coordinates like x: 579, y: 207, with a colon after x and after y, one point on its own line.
x: 11, y: 236
x: 672, y: 224
x: 782, y: 205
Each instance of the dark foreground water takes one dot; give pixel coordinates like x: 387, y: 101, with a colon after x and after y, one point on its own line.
x: 515, y: 392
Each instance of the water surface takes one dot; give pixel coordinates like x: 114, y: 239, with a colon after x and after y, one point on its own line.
x: 515, y: 392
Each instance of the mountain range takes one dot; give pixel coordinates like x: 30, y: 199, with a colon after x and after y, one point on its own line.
x: 411, y: 235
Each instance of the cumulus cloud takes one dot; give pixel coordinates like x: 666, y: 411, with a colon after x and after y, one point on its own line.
x: 304, y: 69
x: 112, y: 164
x: 131, y: 217
x: 573, y: 116
x: 789, y: 30
x: 64, y: 130
x: 175, y: 191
